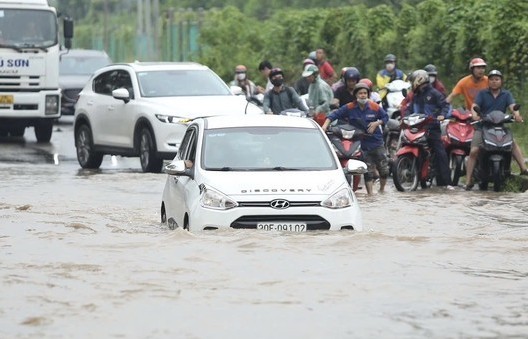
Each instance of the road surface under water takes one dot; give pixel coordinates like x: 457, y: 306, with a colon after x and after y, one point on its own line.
x: 83, y: 255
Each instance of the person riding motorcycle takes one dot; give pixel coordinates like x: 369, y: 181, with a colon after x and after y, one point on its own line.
x: 301, y: 85
x: 433, y: 79
x: 241, y: 80
x: 470, y: 85
x: 320, y: 94
x: 281, y: 97
x: 488, y: 100
x: 388, y: 74
x: 371, y: 117
x: 429, y: 101
x: 374, y: 96
x: 345, y: 94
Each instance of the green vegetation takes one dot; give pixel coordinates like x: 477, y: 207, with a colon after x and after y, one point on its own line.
x: 357, y: 33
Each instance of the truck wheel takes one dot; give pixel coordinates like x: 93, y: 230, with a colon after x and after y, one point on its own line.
x: 43, y: 130
x: 147, y: 152
x: 86, y: 155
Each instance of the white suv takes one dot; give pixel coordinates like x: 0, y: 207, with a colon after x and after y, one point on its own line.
x: 270, y: 173
x: 142, y: 109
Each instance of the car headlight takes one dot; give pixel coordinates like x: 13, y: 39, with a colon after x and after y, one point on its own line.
x: 216, y: 200
x: 172, y: 119
x: 341, y: 199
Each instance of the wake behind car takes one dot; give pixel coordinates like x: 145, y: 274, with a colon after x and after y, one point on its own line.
x: 142, y: 109
x: 271, y: 173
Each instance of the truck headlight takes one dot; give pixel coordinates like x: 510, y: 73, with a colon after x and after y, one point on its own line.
x: 216, y: 200
x: 341, y: 199
x: 52, y: 104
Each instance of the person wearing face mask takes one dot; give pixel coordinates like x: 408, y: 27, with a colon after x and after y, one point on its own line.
x: 427, y: 100
x: 371, y: 117
x: 388, y: 74
x: 433, y: 79
x: 241, y: 80
x: 281, y: 97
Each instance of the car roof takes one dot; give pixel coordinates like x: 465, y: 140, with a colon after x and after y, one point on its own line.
x: 163, y: 66
x: 260, y: 120
x: 84, y: 52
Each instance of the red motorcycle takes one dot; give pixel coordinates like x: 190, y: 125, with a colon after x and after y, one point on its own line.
x: 457, y: 141
x: 346, y: 139
x: 414, y: 160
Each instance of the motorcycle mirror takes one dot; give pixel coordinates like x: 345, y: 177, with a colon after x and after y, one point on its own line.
x: 404, y: 92
x: 476, y: 109
x: 516, y: 107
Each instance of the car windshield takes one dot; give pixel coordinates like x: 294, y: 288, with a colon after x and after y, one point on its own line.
x: 20, y: 28
x: 81, y: 65
x: 169, y: 83
x: 266, y: 149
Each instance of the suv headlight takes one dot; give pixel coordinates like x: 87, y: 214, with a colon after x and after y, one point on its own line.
x: 341, y: 199
x: 216, y: 200
x: 172, y: 119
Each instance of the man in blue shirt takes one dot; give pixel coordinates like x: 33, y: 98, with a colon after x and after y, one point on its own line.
x: 431, y: 102
x: 373, y: 117
x: 492, y: 99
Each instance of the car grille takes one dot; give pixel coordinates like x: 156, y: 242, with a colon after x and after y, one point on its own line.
x: 267, y: 204
x: 313, y: 222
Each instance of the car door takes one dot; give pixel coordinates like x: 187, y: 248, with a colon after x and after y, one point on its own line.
x: 184, y: 190
x: 113, y: 115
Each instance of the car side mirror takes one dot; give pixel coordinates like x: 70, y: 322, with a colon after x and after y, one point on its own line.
x: 178, y: 167
x: 121, y: 94
x: 356, y: 167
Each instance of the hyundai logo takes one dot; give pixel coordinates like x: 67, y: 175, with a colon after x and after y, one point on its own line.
x: 279, y: 204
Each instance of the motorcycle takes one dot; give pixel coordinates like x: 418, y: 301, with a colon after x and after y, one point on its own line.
x: 391, y: 138
x: 346, y: 139
x: 414, y: 161
x: 396, y: 92
x: 494, y: 161
x: 457, y: 141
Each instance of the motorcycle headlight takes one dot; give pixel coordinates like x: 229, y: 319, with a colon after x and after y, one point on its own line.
x: 216, y: 200
x: 341, y: 199
x: 347, y: 134
x: 171, y: 119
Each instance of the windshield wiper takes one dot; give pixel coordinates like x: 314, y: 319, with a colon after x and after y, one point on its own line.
x: 16, y: 48
x: 225, y: 169
x: 278, y: 168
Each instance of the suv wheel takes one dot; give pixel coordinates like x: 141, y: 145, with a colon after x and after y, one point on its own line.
x: 147, y: 152
x: 86, y: 155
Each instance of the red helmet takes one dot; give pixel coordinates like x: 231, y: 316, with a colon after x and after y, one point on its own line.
x: 367, y: 82
x: 476, y: 62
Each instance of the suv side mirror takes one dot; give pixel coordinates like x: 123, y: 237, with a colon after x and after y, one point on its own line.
x: 121, y: 94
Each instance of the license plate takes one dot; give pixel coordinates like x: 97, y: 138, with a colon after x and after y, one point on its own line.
x: 6, y: 99
x: 282, y: 226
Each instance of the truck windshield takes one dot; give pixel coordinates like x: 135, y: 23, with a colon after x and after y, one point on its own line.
x: 20, y: 28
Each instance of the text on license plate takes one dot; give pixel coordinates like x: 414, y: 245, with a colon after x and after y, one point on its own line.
x: 6, y: 99
x: 282, y: 226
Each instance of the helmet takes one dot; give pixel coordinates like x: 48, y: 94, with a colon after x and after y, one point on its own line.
x: 419, y: 77
x: 352, y: 73
x: 390, y: 58
x: 310, y: 70
x: 312, y: 56
x: 476, y: 62
x: 240, y: 68
x: 308, y: 62
x: 275, y: 71
x: 361, y: 86
x: 367, y: 82
x: 495, y: 73
x: 431, y: 69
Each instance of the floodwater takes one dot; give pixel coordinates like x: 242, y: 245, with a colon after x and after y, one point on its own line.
x: 83, y: 255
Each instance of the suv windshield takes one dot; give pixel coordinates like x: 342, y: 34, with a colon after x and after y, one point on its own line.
x: 27, y: 28
x: 266, y: 149
x: 170, y: 83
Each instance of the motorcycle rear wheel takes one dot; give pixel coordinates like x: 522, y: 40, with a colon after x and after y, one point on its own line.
x: 405, y: 173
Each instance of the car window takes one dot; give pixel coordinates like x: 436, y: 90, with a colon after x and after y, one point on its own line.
x: 102, y: 83
x: 187, y: 148
x: 106, y: 82
x: 181, y: 83
x: 266, y: 148
x: 81, y: 65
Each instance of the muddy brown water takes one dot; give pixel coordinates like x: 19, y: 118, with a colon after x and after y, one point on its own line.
x: 83, y: 255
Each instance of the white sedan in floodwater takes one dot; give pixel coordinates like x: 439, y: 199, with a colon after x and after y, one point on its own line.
x: 271, y: 173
